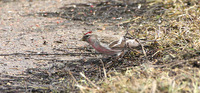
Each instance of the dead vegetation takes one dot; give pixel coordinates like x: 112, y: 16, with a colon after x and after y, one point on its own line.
x: 171, y: 64
x: 175, y: 64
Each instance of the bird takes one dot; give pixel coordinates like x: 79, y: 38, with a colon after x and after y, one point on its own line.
x: 117, y: 47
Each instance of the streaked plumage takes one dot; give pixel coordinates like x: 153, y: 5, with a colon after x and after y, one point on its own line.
x: 114, y: 48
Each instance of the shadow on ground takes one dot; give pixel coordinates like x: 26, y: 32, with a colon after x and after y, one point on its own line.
x: 62, y: 75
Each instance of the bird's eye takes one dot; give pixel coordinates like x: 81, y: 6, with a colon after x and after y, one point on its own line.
x: 85, y: 37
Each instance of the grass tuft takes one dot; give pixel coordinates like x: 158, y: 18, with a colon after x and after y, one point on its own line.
x: 178, y: 32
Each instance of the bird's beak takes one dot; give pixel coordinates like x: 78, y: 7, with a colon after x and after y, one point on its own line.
x: 84, y: 38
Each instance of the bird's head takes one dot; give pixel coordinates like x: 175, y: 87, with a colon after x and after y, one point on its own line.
x: 88, y: 36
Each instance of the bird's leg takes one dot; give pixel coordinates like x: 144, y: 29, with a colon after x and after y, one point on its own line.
x: 144, y: 52
x: 118, y: 59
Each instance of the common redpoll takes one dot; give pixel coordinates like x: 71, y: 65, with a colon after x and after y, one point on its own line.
x: 114, y: 48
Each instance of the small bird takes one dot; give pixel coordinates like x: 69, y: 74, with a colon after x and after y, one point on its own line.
x: 100, y: 47
x: 114, y: 48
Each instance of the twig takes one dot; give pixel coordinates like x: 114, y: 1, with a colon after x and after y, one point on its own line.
x: 104, y: 70
x: 89, y: 80
x: 144, y: 52
x: 70, y: 73
x: 47, y: 54
x: 155, y: 53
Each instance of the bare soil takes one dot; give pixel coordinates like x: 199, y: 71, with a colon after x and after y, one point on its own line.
x: 34, y: 35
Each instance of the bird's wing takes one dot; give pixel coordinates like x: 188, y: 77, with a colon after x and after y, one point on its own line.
x: 119, y: 44
x: 133, y: 43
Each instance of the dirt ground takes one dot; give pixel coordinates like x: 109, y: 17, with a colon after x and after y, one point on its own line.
x: 40, y: 41
x: 33, y: 34
x: 23, y: 31
x: 41, y: 48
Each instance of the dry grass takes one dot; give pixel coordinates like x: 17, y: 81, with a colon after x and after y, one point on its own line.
x: 151, y: 80
x: 178, y: 32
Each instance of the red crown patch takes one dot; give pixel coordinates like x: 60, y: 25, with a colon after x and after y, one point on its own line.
x: 88, y: 32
